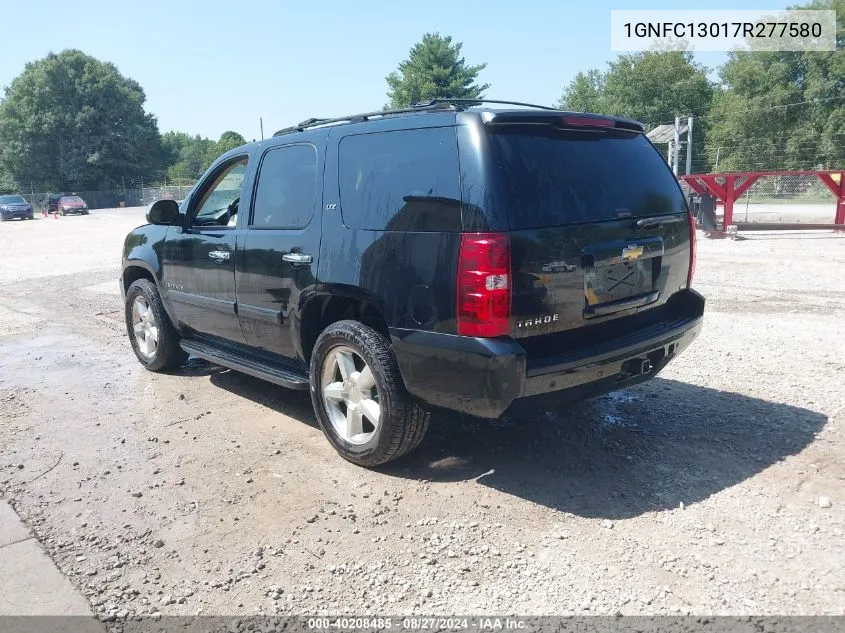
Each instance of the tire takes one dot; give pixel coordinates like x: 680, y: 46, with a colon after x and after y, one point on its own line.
x: 402, y: 421
x: 167, y: 354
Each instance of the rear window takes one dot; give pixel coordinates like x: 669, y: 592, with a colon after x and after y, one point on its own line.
x: 406, y: 180
x: 550, y: 176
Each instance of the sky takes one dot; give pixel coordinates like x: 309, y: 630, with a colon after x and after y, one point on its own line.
x: 212, y: 66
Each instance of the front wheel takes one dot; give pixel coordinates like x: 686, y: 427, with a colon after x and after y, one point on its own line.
x: 154, y: 339
x: 359, y: 396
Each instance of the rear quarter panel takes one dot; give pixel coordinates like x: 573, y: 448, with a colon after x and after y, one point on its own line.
x: 408, y: 276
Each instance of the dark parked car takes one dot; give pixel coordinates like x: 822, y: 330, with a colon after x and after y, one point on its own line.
x: 72, y: 204
x: 14, y: 206
x: 451, y: 254
x: 51, y: 203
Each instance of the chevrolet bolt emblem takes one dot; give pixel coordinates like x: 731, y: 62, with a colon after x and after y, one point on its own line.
x: 632, y: 252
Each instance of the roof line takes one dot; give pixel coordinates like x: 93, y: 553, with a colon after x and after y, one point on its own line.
x: 437, y: 103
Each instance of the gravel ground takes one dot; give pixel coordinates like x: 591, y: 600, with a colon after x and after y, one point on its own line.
x: 716, y: 488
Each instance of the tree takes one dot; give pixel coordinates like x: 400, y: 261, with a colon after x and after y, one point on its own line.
x: 70, y: 120
x: 228, y: 140
x: 434, y: 68
x: 187, y: 156
x: 584, y: 93
x: 7, y: 183
x: 652, y: 87
x: 782, y: 109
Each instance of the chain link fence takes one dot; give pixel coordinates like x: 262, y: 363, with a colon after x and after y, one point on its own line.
x: 793, y: 199
x: 786, y: 199
x: 113, y: 198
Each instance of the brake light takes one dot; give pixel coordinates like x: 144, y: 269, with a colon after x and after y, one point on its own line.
x: 588, y: 121
x: 484, y: 285
x: 692, y: 249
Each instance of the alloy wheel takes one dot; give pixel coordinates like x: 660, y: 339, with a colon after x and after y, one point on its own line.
x: 144, y: 327
x: 350, y: 395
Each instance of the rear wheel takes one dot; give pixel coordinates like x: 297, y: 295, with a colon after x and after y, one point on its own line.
x: 359, y: 396
x: 154, y: 339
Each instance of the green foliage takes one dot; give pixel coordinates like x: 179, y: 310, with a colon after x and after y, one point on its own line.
x: 782, y: 110
x: 70, y: 121
x: 70, y: 118
x: 768, y: 111
x: 7, y: 183
x: 584, y: 93
x: 228, y: 140
x: 652, y: 87
x: 434, y: 68
x: 189, y: 156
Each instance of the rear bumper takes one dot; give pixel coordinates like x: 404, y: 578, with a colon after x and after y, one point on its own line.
x: 485, y: 377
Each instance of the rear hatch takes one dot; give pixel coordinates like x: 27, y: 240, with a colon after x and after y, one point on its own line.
x: 599, y: 227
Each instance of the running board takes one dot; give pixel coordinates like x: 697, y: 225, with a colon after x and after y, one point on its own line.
x: 278, y: 374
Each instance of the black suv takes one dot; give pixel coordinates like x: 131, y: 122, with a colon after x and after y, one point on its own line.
x: 448, y: 254
x: 51, y: 203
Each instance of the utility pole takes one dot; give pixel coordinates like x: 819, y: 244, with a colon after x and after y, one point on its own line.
x: 677, y: 145
x: 261, y: 123
x: 689, y: 145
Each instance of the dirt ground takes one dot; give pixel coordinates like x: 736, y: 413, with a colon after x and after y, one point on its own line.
x: 716, y: 488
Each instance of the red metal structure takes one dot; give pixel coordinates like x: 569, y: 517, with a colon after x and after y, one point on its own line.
x: 728, y: 191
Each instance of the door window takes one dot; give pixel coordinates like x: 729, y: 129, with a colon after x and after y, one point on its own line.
x: 287, y: 188
x: 218, y: 204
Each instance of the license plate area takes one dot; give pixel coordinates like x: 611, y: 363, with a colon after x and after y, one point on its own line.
x: 621, y: 275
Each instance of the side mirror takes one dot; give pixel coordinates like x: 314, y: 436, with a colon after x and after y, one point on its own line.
x: 163, y: 212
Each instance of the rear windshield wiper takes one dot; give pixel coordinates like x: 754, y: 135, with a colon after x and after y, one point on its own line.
x: 665, y: 219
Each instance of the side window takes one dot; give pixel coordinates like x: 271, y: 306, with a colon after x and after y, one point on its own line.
x: 407, y: 180
x: 287, y: 188
x: 218, y: 203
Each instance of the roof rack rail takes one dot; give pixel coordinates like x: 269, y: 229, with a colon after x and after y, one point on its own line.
x: 365, y: 116
x: 472, y: 102
x: 437, y: 103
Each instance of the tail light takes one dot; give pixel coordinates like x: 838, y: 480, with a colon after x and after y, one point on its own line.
x: 484, y: 285
x: 692, y: 250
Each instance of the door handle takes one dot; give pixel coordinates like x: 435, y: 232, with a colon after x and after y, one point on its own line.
x: 220, y: 255
x: 297, y: 259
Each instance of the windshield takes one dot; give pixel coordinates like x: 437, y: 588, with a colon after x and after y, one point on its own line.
x: 552, y: 177
x: 12, y: 200
x: 71, y: 199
